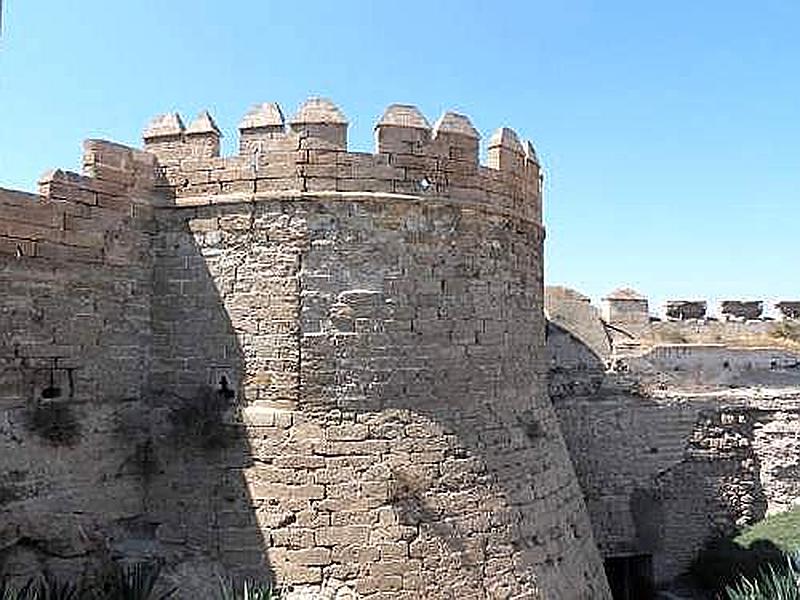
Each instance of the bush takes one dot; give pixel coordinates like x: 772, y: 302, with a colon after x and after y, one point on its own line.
x: 723, y: 562
x: 782, y: 529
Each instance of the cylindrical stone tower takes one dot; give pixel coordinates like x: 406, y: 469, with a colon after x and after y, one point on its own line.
x: 378, y: 319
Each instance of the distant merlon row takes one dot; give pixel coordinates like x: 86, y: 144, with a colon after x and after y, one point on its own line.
x: 320, y: 124
x: 627, y: 305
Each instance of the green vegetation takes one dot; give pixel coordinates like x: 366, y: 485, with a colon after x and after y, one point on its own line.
x: 772, y: 583
x: 782, y: 530
x: 136, y: 581
x: 249, y: 591
x: 746, y: 559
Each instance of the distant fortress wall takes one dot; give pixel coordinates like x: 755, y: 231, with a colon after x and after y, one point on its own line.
x: 683, y: 432
x: 626, y: 305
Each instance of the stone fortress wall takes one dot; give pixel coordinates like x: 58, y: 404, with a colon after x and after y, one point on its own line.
x: 299, y: 361
x: 681, y: 430
x: 75, y: 275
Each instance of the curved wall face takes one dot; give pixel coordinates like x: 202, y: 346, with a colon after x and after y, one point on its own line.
x: 322, y: 367
x: 402, y: 440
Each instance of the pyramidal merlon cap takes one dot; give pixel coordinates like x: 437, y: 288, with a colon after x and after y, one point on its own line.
x: 319, y: 110
x: 455, y: 123
x: 204, y: 123
x: 530, y: 152
x: 267, y: 114
x: 404, y: 115
x: 506, y: 138
x: 625, y: 293
x: 165, y: 125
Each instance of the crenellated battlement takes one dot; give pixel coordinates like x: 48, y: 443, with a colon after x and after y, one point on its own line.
x: 309, y: 153
x: 88, y: 217
x: 312, y: 333
x: 625, y: 304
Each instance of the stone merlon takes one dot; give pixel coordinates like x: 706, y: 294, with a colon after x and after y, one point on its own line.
x: 320, y: 125
x: 505, y: 150
x: 163, y: 126
x: 311, y: 155
x: 318, y: 110
x: 455, y: 124
x: 266, y: 115
x: 404, y: 115
x: 203, y: 124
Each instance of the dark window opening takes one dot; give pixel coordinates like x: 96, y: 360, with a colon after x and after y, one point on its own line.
x: 630, y: 577
x: 52, y: 391
x: 225, y: 390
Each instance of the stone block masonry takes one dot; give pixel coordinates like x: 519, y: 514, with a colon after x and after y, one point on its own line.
x: 75, y: 300
x: 685, y: 434
x: 337, y: 378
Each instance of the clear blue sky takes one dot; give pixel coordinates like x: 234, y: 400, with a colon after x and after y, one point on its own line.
x: 670, y: 131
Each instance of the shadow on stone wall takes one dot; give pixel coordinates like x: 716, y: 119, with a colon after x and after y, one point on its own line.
x: 414, y: 454
x: 59, y: 486
x: 101, y: 463
x: 418, y: 452
x: 189, y: 443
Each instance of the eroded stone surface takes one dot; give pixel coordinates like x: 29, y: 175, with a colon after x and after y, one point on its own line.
x: 688, y: 433
x: 300, y: 363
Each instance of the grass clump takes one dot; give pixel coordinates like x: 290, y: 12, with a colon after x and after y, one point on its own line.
x: 249, y: 590
x: 117, y: 582
x: 132, y: 582
x: 45, y: 587
x: 772, y: 583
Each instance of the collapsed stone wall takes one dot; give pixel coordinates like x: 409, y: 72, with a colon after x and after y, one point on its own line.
x: 665, y: 476
x: 339, y: 367
x: 677, y: 445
